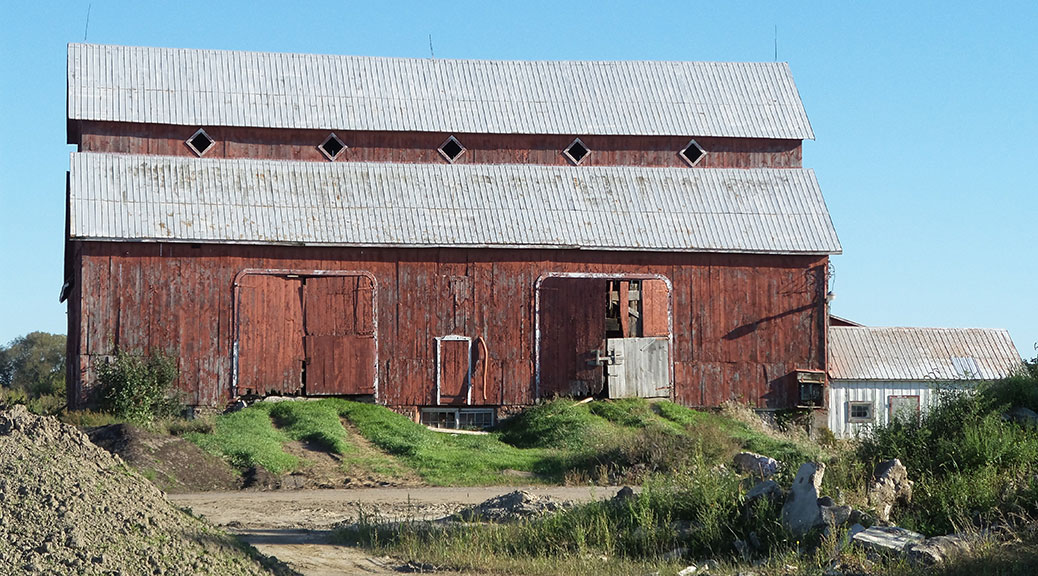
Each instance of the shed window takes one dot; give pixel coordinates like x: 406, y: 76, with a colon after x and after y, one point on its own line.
x: 451, y: 149
x: 332, y: 147
x: 577, y: 151
x: 860, y: 412
x: 200, y: 142
x: 692, y: 153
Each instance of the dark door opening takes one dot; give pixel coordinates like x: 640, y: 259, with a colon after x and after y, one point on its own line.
x: 605, y: 337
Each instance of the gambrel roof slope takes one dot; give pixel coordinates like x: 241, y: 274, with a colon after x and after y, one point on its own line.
x: 273, y: 90
x: 165, y: 198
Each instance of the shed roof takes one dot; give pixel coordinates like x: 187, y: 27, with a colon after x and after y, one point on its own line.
x: 163, y: 198
x: 920, y: 354
x: 231, y: 88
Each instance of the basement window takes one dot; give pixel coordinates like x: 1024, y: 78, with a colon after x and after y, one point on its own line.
x: 200, y: 142
x: 451, y: 149
x: 577, y: 151
x: 860, y: 412
x: 332, y: 147
x: 458, y: 418
x: 692, y: 153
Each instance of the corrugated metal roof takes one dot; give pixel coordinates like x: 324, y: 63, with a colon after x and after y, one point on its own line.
x: 120, y: 197
x: 228, y: 88
x: 937, y: 354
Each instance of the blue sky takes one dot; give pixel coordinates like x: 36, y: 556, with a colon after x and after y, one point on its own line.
x: 924, y: 112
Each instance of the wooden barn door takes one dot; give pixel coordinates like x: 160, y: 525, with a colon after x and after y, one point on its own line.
x: 270, y: 334
x: 453, y: 370
x: 339, y: 335
x: 572, y: 325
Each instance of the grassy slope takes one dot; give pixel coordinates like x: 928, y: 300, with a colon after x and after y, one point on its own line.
x: 558, y: 441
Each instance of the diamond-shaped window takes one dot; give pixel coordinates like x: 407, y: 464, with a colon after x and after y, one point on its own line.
x: 577, y: 151
x: 692, y: 153
x: 200, y: 142
x: 451, y: 149
x: 332, y: 147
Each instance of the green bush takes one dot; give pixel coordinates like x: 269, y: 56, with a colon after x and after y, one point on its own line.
x: 139, y: 389
x: 971, y: 464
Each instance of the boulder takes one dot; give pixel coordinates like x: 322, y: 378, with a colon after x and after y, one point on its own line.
x: 801, y: 512
x: 887, y: 539
x: 768, y: 488
x: 890, y: 486
x: 938, y: 549
x: 836, y: 515
x: 625, y: 493
x: 1023, y: 416
x: 757, y: 464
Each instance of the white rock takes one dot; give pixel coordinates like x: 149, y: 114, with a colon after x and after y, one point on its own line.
x: 801, y: 511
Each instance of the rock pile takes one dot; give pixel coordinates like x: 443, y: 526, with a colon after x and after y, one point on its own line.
x: 69, y: 507
x: 510, y: 507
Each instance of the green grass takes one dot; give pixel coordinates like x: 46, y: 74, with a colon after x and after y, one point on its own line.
x: 558, y: 441
x: 314, y: 422
x: 247, y: 438
x: 443, y: 459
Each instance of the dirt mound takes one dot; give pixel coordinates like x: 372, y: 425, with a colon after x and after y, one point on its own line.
x: 510, y: 507
x: 173, y: 464
x: 70, y: 507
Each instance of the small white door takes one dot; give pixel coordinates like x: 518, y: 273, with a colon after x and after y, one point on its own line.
x: 638, y: 367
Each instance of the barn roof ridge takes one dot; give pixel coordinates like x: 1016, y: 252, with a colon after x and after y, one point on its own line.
x: 167, y: 198
x: 281, y: 90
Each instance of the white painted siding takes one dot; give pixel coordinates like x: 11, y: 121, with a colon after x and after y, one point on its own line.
x: 843, y: 392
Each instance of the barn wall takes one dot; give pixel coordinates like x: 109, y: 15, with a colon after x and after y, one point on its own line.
x: 741, y: 323
x: 842, y: 392
x: 421, y: 147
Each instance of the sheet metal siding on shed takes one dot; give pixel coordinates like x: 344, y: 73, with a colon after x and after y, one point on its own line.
x: 276, y: 90
x: 866, y: 353
x: 129, y: 197
x: 878, y: 393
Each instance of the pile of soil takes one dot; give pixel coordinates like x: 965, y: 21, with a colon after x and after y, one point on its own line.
x: 510, y: 507
x: 171, y: 463
x: 70, y: 507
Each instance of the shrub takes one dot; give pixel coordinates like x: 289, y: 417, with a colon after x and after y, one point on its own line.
x: 139, y: 389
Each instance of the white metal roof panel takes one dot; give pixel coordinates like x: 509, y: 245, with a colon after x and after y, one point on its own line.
x: 920, y: 354
x: 231, y: 88
x: 157, y: 198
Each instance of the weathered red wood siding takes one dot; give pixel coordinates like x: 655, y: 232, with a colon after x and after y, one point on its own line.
x: 741, y: 323
x: 421, y: 147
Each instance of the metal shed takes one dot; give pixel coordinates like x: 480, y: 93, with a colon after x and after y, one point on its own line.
x: 876, y: 374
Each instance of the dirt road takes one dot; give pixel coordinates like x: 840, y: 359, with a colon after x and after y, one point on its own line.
x: 296, y: 525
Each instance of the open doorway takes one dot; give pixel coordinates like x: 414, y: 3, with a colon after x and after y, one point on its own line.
x: 604, y: 335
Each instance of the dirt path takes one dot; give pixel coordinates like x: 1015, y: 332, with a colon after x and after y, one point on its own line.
x: 296, y: 525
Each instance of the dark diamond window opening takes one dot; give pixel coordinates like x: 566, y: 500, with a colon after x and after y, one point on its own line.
x: 200, y: 143
x: 577, y: 151
x: 451, y: 149
x: 692, y: 153
x: 332, y: 147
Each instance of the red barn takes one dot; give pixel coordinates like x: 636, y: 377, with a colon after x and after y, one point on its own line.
x: 450, y: 237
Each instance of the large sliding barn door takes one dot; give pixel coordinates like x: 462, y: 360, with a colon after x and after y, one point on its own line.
x: 339, y: 335
x: 300, y: 334
x: 270, y: 335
